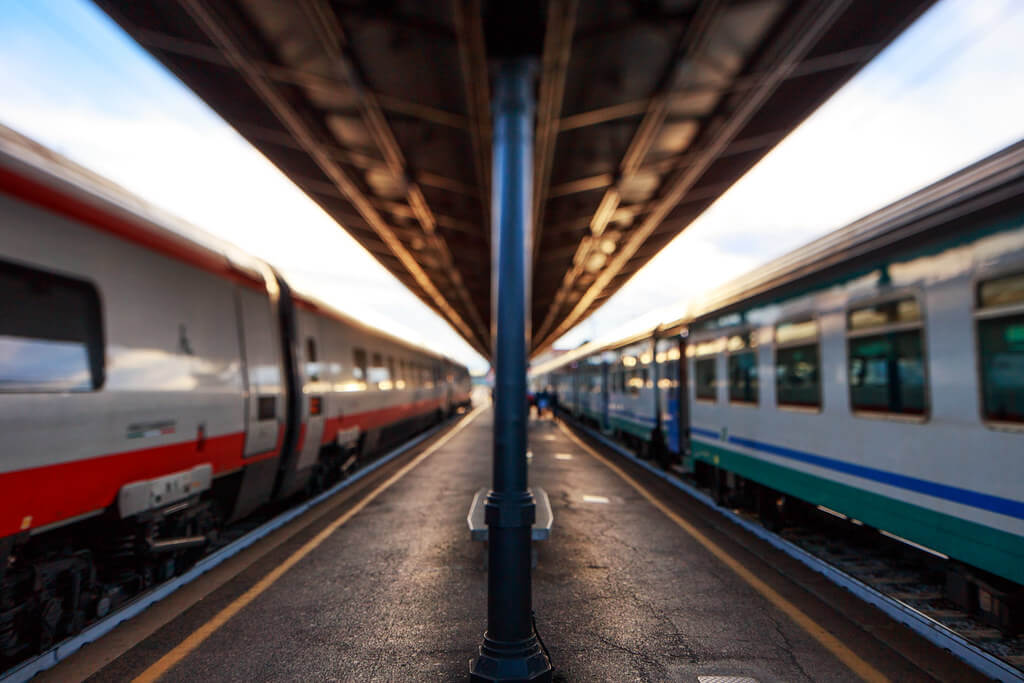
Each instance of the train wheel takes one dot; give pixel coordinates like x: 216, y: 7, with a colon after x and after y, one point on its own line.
x: 50, y: 613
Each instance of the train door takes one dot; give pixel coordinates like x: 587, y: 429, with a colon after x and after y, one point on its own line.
x: 605, y: 395
x: 668, y: 356
x: 682, y: 413
x: 448, y: 376
x: 263, y: 411
x: 574, y: 388
x: 264, y: 407
x: 311, y: 369
x: 660, y: 376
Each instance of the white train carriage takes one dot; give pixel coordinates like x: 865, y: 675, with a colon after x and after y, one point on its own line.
x: 124, y: 371
x: 155, y: 384
x: 362, y: 389
x: 877, y: 372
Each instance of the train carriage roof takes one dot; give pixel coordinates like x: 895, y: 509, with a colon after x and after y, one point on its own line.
x: 647, y: 111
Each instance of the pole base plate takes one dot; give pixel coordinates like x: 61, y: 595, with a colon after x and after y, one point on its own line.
x: 522, y: 662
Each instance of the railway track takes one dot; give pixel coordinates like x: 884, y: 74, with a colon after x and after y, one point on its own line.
x: 900, y: 587
x: 237, y: 538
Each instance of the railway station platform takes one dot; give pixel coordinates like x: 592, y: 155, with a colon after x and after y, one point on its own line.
x: 635, y: 584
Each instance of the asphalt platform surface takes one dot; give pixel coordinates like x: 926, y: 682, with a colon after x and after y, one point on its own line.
x: 621, y: 592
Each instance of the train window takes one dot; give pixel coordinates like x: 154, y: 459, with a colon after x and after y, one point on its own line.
x: 797, y: 368
x: 1001, y: 348
x: 1003, y: 291
x: 634, y: 383
x: 312, y: 368
x: 359, y: 365
x: 266, y: 408
x: 379, y: 377
x: 743, y: 385
x: 886, y: 358
x: 668, y: 374
x: 898, y: 311
x: 704, y: 376
x: 51, y: 332
x: 391, y: 372
x: 636, y: 379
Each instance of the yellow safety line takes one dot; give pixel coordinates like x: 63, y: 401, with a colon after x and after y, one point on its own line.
x: 829, y: 641
x: 169, y: 660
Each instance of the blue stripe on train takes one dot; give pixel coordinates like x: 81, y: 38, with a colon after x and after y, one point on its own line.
x: 633, y: 416
x: 983, y: 501
x: 705, y: 432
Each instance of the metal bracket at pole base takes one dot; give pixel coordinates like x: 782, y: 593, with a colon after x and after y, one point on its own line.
x: 511, y: 662
x: 510, y: 510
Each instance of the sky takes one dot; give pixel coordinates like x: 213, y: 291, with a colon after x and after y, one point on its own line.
x: 944, y: 94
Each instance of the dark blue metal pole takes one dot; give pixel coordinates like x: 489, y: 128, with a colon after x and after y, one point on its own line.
x: 511, y: 651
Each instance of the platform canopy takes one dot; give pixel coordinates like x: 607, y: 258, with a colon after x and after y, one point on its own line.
x: 647, y: 111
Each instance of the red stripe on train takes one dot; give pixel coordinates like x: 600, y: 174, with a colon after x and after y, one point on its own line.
x: 40, y: 496
x: 45, y: 495
x: 372, y: 419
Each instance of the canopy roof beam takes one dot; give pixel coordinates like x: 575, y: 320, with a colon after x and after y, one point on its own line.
x: 261, y: 83
x: 561, y: 22
x: 331, y: 35
x: 645, y: 135
x: 469, y: 33
x: 802, y: 33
